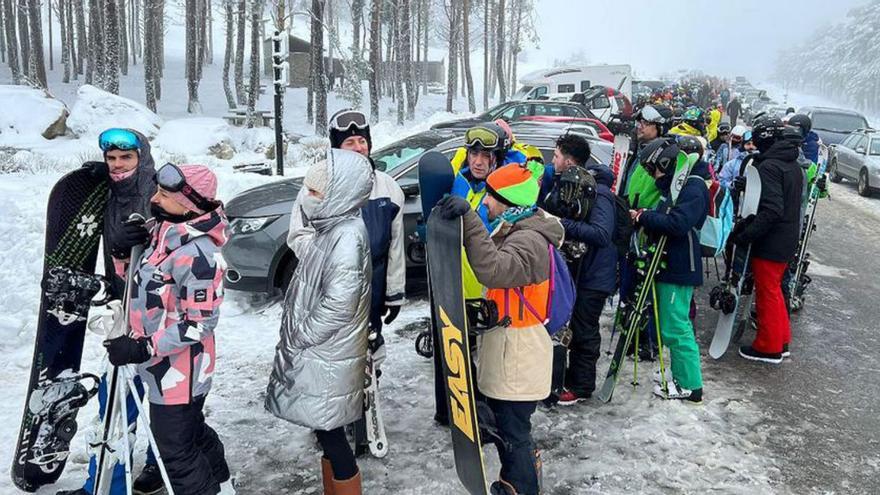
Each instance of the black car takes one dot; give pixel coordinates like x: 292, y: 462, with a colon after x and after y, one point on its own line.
x: 833, y: 125
x: 513, y: 110
x: 257, y: 255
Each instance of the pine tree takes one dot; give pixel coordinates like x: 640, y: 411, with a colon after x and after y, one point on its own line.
x: 452, y: 11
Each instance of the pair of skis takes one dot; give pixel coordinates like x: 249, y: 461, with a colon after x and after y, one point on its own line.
x: 370, y: 429
x: 801, y: 263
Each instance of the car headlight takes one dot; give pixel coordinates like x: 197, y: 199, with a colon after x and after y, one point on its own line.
x: 252, y: 224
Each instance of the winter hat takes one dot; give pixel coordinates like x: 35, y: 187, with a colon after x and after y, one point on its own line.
x: 201, y: 179
x: 337, y: 136
x: 318, y: 177
x: 513, y: 185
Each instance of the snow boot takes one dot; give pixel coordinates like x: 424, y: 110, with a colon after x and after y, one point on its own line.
x: 569, y: 398
x: 327, y: 476
x: 677, y: 392
x: 502, y: 487
x: 659, y: 379
x: 149, y: 482
x: 785, y: 352
x: 751, y: 354
x: 351, y: 486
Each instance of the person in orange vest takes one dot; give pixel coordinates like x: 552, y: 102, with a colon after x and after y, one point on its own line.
x: 516, y: 354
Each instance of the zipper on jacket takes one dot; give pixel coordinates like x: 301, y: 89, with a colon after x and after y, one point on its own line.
x: 691, y: 250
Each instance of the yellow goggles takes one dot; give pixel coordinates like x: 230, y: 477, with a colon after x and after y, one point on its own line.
x: 482, y: 137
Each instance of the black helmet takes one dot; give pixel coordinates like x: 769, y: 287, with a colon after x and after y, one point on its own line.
x: 660, y: 154
x: 766, y: 130
x: 802, y: 121
x: 690, y: 144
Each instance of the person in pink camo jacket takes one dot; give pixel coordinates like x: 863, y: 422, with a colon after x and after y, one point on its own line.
x: 175, y: 306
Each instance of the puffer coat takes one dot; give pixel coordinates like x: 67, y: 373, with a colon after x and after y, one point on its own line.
x: 317, y: 380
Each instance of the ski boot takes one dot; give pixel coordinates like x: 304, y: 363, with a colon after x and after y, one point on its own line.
x: 502, y: 487
x: 676, y: 392
x: 149, y: 482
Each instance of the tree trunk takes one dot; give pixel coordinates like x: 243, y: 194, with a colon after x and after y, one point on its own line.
x: 95, y: 74
x: 38, y: 66
x: 71, y: 40
x: 375, y: 55
x: 466, y: 45
x: 485, y: 54
x: 227, y: 58
x: 82, y: 51
x: 318, y: 77
x: 426, y: 6
x: 452, y: 55
x: 388, y: 76
x: 499, y: 54
x: 149, y: 59
x: 253, y: 92
x: 11, y: 40
x: 49, y: 13
x: 400, y: 52
x: 3, y: 34
x: 209, y: 16
x: 412, y: 93
x: 357, y: 9
x: 24, y: 37
x: 123, y: 38
x: 201, y: 36
x: 111, y: 47
x: 239, y: 53
x: 192, y: 57
x: 65, y: 54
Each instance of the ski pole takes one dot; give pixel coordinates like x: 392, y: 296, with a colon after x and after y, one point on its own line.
x: 145, y: 423
x: 663, y: 382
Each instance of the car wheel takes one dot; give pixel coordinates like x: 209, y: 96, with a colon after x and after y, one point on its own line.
x: 286, y: 274
x: 834, y: 176
x: 864, y: 186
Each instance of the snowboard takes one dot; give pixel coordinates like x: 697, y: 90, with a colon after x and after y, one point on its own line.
x: 801, y: 263
x: 635, y: 314
x: 736, y: 281
x: 619, y: 160
x: 56, y: 390
x: 453, y: 347
x: 436, y: 177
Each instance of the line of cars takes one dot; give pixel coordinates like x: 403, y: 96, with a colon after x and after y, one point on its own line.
x: 257, y: 255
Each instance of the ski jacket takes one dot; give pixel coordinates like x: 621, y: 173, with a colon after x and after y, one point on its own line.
x: 317, y: 380
x: 712, y: 128
x: 775, y: 230
x: 176, y: 305
x: 130, y: 195
x: 515, y: 362
x: 811, y: 147
x: 681, y: 224
x: 472, y: 190
x: 598, y: 269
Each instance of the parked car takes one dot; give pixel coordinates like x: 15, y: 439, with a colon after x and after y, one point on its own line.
x: 834, y: 124
x: 597, y: 125
x: 604, y: 102
x: 514, y: 110
x: 257, y: 255
x: 857, y: 158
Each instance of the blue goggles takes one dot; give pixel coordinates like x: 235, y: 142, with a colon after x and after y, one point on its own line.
x: 118, y: 139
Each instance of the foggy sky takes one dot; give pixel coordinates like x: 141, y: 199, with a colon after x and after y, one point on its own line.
x: 720, y: 37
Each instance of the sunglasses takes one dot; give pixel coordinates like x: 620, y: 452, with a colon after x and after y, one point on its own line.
x: 170, y: 178
x: 120, y: 139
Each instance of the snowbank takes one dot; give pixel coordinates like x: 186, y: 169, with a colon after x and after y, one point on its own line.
x: 29, y: 115
x: 96, y: 110
x: 194, y: 136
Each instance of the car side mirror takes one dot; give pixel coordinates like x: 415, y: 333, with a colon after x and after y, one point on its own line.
x: 410, y: 190
x: 860, y: 150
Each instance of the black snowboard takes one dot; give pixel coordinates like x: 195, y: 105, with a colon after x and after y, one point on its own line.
x: 74, y: 223
x: 444, y: 275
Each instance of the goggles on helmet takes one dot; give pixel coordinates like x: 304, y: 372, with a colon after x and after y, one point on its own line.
x: 343, y: 120
x: 481, y: 137
x: 170, y: 178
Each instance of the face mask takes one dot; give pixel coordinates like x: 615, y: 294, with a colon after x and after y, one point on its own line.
x: 309, y: 205
x: 163, y: 216
x: 119, y: 176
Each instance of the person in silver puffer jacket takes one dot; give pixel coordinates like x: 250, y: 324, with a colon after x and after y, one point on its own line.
x: 317, y: 380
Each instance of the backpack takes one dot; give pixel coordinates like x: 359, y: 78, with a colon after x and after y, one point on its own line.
x: 719, y: 221
x: 560, y: 297
x: 623, y: 227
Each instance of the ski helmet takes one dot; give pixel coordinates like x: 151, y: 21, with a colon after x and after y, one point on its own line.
x: 660, y: 154
x: 659, y: 115
x: 766, y: 130
x: 802, y: 121
x: 693, y: 115
x: 690, y: 144
x: 490, y: 137
x: 724, y: 128
x: 738, y: 131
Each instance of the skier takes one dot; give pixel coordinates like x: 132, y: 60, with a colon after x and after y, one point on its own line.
x: 731, y: 169
x: 680, y: 221
x: 596, y: 276
x: 486, y: 146
x: 773, y: 234
x: 129, y: 170
x: 174, y: 311
x: 729, y: 149
x: 734, y: 110
x: 325, y: 324
x: 722, y: 138
x: 515, y: 359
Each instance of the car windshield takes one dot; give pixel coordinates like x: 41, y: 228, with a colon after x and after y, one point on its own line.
x: 838, y: 122
x: 875, y: 146
x: 522, y: 92
x: 391, y: 157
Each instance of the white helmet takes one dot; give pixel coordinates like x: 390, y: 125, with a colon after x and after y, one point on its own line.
x: 738, y: 130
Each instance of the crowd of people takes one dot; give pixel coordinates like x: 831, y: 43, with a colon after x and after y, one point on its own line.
x: 347, y: 233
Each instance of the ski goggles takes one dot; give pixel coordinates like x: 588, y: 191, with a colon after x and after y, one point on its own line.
x: 171, y: 179
x: 481, y: 137
x: 650, y: 114
x: 342, y: 121
x: 119, y: 139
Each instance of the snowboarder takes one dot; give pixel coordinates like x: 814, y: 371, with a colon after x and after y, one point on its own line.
x: 597, y: 270
x: 129, y: 170
x: 174, y: 310
x: 325, y: 325
x: 515, y: 355
x: 680, y: 221
x: 773, y: 233
x: 485, y: 149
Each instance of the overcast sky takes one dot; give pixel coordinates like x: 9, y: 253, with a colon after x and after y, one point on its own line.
x: 723, y: 37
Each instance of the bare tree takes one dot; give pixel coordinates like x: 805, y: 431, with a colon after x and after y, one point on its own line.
x: 357, y: 10
x: 122, y: 12
x: 412, y: 94
x: 239, y: 52
x: 36, y: 63
x: 486, y: 54
x: 318, y: 75
x: 201, y: 36
x: 65, y: 53
x: 111, y: 47
x: 375, y: 55
x: 499, y: 54
x: 159, y: 50
x: 452, y: 11
x: 2, y: 35
x: 95, y: 72
x: 82, y: 51
x: 209, y: 16
x: 72, y: 52
x: 24, y: 37
x: 399, y: 51
x: 11, y: 40
x: 253, y: 92
x: 49, y: 13
x: 426, y: 7
x: 230, y: 53
x: 152, y: 78
x: 466, y: 51
x: 192, y: 62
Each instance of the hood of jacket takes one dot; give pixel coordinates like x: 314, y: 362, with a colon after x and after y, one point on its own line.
x: 542, y: 222
x: 602, y: 174
x: 783, y: 150
x: 213, y: 224
x: 350, y: 182
x: 811, y: 138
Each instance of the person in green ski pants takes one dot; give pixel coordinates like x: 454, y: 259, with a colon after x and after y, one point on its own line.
x: 679, y: 220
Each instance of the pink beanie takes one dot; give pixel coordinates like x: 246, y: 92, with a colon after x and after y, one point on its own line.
x: 202, y: 180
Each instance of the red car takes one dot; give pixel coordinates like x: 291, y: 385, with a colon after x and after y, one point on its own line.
x: 596, y: 124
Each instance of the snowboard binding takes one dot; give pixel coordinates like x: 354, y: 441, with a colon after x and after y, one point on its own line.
x: 56, y: 403
x: 70, y: 293
x: 482, y: 315
x: 721, y: 299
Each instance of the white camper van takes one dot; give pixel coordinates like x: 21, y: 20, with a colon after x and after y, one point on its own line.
x: 560, y: 81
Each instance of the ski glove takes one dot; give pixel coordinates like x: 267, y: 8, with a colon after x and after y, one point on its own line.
x: 452, y: 207
x: 737, y: 235
x: 390, y: 313
x: 126, y: 350
x: 739, y: 184
x: 98, y: 170
x: 822, y: 183
x: 133, y: 233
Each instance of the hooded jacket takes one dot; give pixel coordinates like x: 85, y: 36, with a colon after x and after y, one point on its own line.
x: 514, y: 362
x: 775, y: 230
x: 130, y: 195
x: 176, y: 305
x: 317, y: 379
x: 811, y: 147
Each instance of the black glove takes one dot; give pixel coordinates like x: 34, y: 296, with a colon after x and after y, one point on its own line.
x: 451, y: 207
x: 126, y: 350
x: 133, y: 233
x: 736, y: 235
x: 390, y: 313
x: 739, y: 184
x: 98, y: 170
x: 822, y: 183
